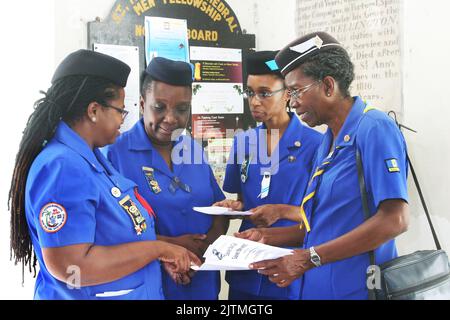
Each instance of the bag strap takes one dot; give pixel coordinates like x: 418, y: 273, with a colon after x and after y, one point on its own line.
x: 424, y: 205
x: 393, y: 115
x: 365, y: 205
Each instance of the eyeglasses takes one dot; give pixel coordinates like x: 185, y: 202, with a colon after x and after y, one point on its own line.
x: 297, y: 93
x: 122, y: 111
x: 248, y: 94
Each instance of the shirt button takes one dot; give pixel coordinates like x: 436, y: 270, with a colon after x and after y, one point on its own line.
x: 298, y: 144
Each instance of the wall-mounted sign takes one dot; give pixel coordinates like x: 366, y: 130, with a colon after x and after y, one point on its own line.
x: 371, y: 31
x: 217, y: 103
x: 166, y: 37
x: 210, y: 23
x: 129, y: 55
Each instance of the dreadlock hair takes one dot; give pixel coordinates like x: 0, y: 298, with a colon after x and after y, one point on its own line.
x: 67, y: 100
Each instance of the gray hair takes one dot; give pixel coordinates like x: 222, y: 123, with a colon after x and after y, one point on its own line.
x: 335, y: 63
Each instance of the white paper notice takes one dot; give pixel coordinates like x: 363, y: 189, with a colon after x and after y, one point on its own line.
x: 129, y: 55
x: 230, y: 253
x: 221, y: 211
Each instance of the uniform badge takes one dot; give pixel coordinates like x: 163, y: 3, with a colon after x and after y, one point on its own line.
x: 149, y: 174
x: 135, y: 214
x: 177, y: 183
x: 116, y: 192
x: 244, y: 168
x: 392, y: 165
x: 52, y: 217
x: 265, y: 185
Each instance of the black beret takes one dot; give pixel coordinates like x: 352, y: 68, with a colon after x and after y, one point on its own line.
x: 90, y: 63
x: 176, y: 73
x: 303, y: 48
x: 263, y: 62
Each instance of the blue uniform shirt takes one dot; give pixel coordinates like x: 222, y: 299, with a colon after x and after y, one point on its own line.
x: 173, y: 205
x: 290, y: 175
x: 69, y: 201
x: 338, y: 206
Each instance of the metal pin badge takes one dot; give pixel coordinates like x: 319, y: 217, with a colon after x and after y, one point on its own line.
x: 116, y: 192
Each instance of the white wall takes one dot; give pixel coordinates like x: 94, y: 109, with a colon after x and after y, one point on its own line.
x: 27, y: 62
x: 57, y: 28
x: 427, y: 110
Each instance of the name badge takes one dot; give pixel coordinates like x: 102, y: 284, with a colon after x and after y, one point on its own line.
x: 265, y: 185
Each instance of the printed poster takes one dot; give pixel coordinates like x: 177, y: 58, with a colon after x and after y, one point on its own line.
x: 165, y: 37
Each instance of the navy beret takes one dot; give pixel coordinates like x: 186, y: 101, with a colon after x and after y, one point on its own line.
x: 90, y: 63
x: 176, y: 73
x: 263, y: 62
x: 303, y: 48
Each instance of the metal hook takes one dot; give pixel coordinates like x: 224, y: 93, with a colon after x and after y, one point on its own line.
x: 393, y: 115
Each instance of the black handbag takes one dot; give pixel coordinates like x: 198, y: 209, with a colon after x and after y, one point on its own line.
x: 422, y: 275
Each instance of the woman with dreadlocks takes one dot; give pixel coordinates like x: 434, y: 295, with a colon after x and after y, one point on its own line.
x: 91, y: 232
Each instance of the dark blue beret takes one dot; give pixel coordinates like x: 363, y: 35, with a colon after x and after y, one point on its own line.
x: 90, y: 63
x: 262, y: 62
x: 176, y: 73
x: 300, y: 50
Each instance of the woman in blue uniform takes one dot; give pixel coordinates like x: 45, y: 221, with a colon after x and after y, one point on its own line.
x: 268, y: 168
x: 336, y: 237
x: 171, y: 172
x: 91, y: 232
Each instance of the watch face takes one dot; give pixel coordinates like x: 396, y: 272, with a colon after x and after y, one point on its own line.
x: 315, y: 259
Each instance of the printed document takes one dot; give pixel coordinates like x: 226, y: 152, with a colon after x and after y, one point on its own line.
x: 231, y: 253
x: 221, y: 211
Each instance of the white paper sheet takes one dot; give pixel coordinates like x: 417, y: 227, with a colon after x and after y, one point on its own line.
x: 129, y: 55
x: 221, y: 211
x: 231, y: 253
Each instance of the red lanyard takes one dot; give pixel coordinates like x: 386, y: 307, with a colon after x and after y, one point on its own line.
x: 144, y: 203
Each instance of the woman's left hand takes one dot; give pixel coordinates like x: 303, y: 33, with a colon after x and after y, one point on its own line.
x: 283, y: 271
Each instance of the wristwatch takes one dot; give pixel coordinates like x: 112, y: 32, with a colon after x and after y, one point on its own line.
x: 315, y: 258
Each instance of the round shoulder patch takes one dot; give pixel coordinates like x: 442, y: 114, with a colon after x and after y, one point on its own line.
x: 53, y: 217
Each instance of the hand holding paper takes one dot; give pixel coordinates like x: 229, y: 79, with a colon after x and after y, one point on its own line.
x: 221, y: 211
x: 230, y: 253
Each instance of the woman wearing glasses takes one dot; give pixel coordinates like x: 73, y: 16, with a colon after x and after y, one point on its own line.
x: 91, y: 232
x: 335, y: 234
x: 172, y: 173
x: 268, y: 168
